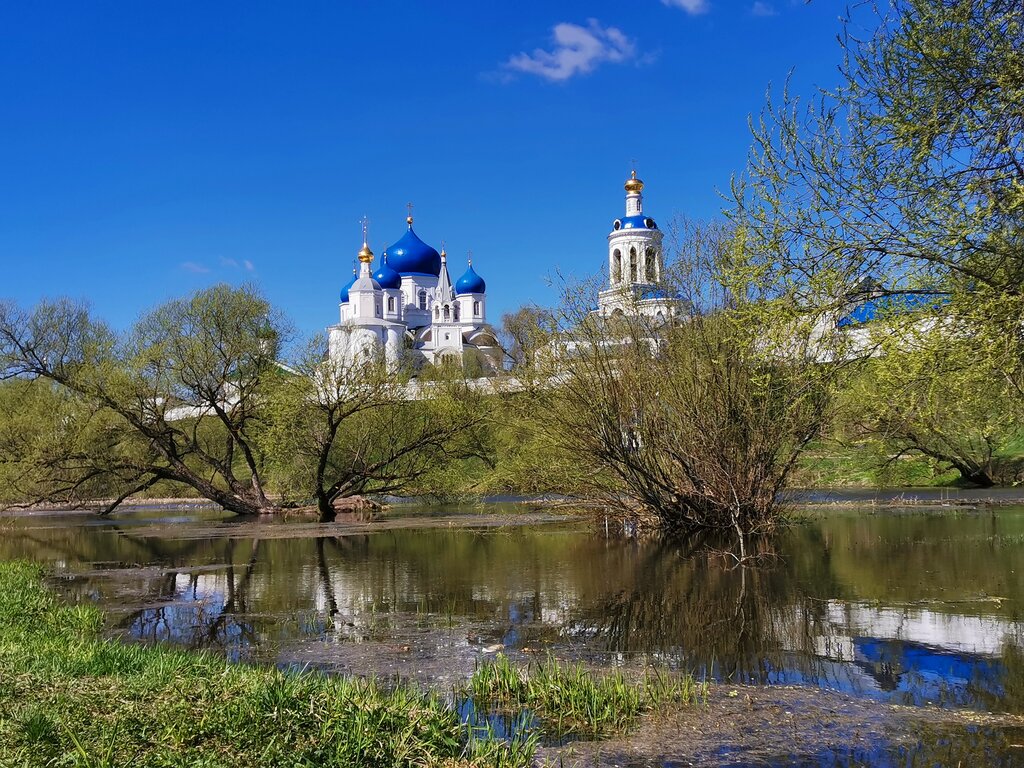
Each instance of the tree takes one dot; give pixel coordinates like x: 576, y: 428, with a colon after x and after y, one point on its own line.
x: 930, y: 393
x: 695, y: 423
x: 523, y: 333
x: 349, y: 427
x: 910, y: 176
x: 179, y: 398
x: 911, y: 172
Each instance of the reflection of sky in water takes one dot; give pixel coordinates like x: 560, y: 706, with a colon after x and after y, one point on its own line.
x: 856, y: 604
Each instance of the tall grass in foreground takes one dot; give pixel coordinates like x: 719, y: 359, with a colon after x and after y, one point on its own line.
x: 68, y: 697
x: 567, y: 699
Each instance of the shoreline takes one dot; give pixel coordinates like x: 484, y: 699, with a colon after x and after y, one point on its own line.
x: 922, y: 499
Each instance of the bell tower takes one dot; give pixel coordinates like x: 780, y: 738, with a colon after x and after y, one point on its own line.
x: 635, y: 258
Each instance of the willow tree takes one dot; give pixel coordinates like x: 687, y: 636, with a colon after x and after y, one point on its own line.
x: 697, y: 421
x: 179, y: 398
x: 910, y: 172
x: 938, y: 388
x: 345, y: 427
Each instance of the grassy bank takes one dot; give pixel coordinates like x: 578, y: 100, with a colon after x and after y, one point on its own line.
x: 69, y: 697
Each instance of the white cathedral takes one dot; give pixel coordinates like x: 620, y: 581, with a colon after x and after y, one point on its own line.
x: 410, y: 310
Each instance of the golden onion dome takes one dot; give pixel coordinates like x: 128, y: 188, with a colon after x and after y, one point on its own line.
x: 365, y: 254
x: 633, y: 184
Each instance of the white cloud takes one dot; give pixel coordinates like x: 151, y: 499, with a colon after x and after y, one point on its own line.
x: 761, y: 8
x: 690, y: 6
x: 248, y: 265
x: 228, y: 262
x: 577, y: 50
x: 192, y: 266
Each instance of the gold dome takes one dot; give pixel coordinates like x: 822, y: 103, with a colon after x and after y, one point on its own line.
x: 365, y: 254
x: 633, y: 184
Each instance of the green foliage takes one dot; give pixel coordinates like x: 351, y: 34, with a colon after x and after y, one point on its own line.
x: 691, y: 422
x: 930, y: 393
x: 912, y: 171
x: 340, y: 428
x: 909, y: 177
x: 568, y: 699
x: 177, y: 399
x: 72, y: 698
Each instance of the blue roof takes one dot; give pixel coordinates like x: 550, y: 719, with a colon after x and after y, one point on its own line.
x: 657, y: 293
x: 872, y: 309
x: 386, y: 277
x: 634, y: 222
x: 346, y: 286
x: 411, y: 256
x: 470, y: 282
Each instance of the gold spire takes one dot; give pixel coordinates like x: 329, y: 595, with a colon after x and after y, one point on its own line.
x: 365, y: 254
x: 408, y: 219
x: 633, y: 184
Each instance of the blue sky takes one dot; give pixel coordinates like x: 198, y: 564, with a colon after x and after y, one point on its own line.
x: 149, y: 149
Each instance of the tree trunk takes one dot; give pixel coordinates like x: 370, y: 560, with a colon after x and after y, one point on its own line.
x: 976, y: 477
x: 325, y: 507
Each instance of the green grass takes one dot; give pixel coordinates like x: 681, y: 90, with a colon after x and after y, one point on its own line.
x: 69, y: 697
x: 829, y: 464
x: 568, y: 699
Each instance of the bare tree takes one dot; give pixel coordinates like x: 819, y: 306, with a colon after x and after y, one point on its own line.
x: 697, y: 421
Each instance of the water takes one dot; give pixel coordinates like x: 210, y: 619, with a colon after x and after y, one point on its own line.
x: 910, y: 608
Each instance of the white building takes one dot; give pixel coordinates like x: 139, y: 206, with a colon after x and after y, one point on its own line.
x: 635, y: 263
x: 410, y: 311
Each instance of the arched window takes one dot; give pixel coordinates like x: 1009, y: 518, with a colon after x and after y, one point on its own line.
x: 423, y: 299
x: 632, y: 265
x: 455, y: 311
x: 651, y: 267
x: 616, y: 266
x: 391, y: 303
x: 447, y: 313
x: 476, y: 309
x: 378, y: 309
x: 437, y: 313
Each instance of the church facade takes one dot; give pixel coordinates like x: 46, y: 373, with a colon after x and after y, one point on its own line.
x: 410, y: 311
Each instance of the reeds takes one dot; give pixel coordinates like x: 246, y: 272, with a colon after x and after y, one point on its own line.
x: 567, y: 699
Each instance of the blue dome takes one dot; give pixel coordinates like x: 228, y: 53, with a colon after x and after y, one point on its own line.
x: 411, y: 256
x: 634, y: 222
x: 655, y: 293
x: 386, y: 277
x: 345, y: 287
x: 470, y: 282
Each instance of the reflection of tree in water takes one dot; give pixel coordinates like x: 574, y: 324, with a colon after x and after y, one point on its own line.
x: 196, y: 617
x: 689, y: 600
